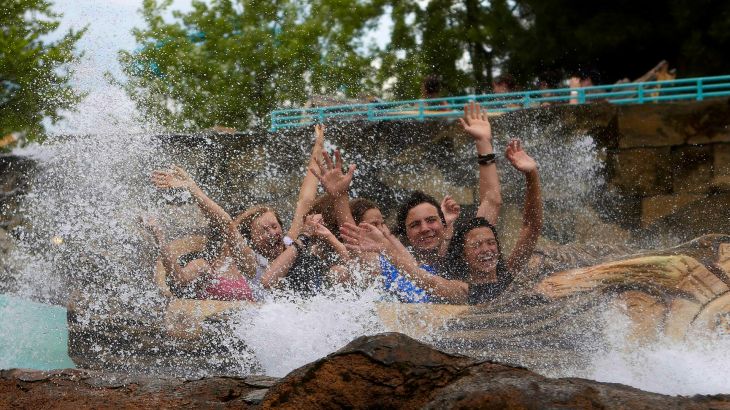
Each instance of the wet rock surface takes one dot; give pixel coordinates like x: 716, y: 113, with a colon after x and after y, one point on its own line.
x: 389, y: 370
x: 72, y: 388
x: 394, y: 371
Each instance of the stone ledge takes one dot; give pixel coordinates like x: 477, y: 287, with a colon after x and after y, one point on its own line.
x: 657, y: 207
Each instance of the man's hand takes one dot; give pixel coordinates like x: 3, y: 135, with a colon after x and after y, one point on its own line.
x: 330, y: 174
x: 476, y: 122
x: 519, y: 158
x: 175, y: 177
x: 451, y: 209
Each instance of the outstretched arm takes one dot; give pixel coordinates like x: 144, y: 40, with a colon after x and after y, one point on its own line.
x: 476, y: 124
x: 176, y: 177
x: 167, y: 256
x: 532, y: 213
x: 308, y: 189
x: 336, y: 183
x: 369, y: 238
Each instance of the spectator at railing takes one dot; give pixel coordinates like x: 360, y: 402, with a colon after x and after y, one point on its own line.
x: 582, y: 79
x: 503, y: 84
x: 432, y: 87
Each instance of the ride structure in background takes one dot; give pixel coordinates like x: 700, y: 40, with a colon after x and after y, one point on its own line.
x: 698, y: 88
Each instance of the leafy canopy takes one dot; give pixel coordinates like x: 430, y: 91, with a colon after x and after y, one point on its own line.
x: 230, y: 63
x: 34, y: 73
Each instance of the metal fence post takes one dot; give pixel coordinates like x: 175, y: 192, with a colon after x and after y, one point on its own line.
x: 700, y: 94
x: 640, y: 92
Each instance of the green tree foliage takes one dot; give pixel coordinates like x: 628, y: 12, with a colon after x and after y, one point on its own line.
x: 229, y: 63
x: 34, y: 73
x: 620, y: 38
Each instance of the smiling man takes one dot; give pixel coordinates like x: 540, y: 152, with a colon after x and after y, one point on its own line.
x: 422, y: 224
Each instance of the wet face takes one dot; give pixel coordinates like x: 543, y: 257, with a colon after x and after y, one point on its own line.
x: 480, y: 250
x: 373, y: 217
x: 424, y: 227
x: 266, y: 233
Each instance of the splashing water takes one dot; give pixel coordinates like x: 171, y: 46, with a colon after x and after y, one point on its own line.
x: 91, y: 185
x: 696, y: 366
x: 287, y: 334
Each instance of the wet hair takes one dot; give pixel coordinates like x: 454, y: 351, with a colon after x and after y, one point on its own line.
x: 359, y: 206
x: 325, y: 205
x: 458, y: 268
x: 250, y: 215
x: 413, y: 200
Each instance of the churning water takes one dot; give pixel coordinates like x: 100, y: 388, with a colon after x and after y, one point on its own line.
x: 81, y: 233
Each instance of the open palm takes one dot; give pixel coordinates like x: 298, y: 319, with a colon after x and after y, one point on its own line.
x: 519, y: 158
x: 175, y: 177
x: 330, y: 175
x: 476, y: 122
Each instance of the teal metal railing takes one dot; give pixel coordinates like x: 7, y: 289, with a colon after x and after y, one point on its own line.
x: 628, y: 93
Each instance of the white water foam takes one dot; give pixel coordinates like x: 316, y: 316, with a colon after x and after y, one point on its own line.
x: 699, y: 365
x: 289, y: 333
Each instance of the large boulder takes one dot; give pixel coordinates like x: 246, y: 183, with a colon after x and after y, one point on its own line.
x: 386, y: 371
x: 392, y: 371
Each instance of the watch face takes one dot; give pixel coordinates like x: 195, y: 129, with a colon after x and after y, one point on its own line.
x: 287, y: 240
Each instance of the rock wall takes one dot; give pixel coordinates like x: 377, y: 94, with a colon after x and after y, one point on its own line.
x: 388, y: 371
x: 657, y: 173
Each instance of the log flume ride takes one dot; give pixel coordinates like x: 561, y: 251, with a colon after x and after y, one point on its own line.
x: 552, y: 315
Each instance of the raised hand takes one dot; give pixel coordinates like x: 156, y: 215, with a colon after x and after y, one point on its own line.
x: 476, y: 122
x: 363, y: 237
x: 519, y: 158
x: 451, y: 209
x: 330, y: 174
x: 310, y: 224
x: 175, y: 177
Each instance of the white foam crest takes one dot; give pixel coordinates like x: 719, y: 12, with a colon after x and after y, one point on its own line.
x: 699, y: 365
x: 287, y: 333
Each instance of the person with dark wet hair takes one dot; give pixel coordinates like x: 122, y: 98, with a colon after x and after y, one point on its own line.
x: 426, y: 226
x: 475, y: 253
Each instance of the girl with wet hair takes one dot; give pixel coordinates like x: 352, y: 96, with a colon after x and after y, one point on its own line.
x: 475, y: 252
x: 290, y: 262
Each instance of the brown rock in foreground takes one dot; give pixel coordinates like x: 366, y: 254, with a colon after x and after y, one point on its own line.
x: 82, y: 389
x: 386, y: 371
x: 391, y: 370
